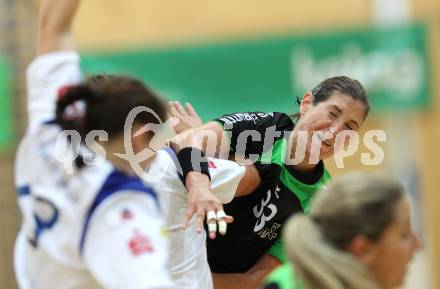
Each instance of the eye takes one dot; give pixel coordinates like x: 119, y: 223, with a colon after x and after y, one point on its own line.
x: 348, y: 127
x: 332, y: 114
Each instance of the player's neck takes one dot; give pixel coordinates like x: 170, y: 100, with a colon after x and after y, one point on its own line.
x: 114, y: 153
x: 127, y: 161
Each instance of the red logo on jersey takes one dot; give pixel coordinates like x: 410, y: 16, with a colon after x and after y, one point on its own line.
x: 140, y: 244
x: 211, y: 165
x: 127, y: 214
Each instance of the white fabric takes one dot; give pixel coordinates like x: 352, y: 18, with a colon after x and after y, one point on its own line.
x: 108, y: 242
x: 211, y: 216
x: 188, y: 261
x: 65, y: 198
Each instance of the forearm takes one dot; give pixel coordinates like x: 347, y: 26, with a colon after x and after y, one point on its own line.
x: 252, y: 279
x: 249, y: 280
x: 54, y: 25
x: 234, y: 281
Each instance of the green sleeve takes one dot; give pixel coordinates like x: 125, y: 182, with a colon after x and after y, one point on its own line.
x: 277, y: 250
x: 284, y: 277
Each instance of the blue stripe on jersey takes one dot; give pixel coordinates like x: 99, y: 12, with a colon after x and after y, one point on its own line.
x: 116, y: 182
x: 48, y: 122
x: 172, y: 154
x: 23, y: 191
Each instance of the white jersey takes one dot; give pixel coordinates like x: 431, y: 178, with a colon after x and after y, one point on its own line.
x: 188, y: 262
x: 93, y: 228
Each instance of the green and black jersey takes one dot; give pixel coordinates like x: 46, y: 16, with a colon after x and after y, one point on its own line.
x: 283, y: 277
x: 259, y: 216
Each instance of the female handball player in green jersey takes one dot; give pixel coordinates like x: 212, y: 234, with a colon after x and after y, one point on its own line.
x: 286, y: 170
x: 357, y: 236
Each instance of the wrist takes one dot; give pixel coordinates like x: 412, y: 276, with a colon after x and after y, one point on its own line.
x: 196, y: 181
x: 193, y: 162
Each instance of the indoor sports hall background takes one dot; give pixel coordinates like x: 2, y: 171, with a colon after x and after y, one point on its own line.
x: 229, y: 55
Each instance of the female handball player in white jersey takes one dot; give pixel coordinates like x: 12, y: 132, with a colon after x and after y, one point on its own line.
x: 89, y: 221
x: 90, y: 226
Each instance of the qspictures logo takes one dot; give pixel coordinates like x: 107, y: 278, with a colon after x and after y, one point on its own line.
x: 300, y: 146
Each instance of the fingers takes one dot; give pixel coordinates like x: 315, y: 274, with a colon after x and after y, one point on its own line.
x: 211, y: 220
x: 211, y: 216
x: 176, y: 109
x: 200, y: 216
x: 212, y: 209
x: 188, y: 215
x: 222, y: 225
x: 219, y: 218
x: 180, y: 108
x: 190, y: 109
x: 321, y: 124
x: 173, y: 110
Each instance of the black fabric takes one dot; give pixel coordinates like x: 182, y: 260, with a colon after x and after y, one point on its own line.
x: 308, y: 178
x: 192, y: 160
x: 270, y: 126
x: 271, y: 286
x: 251, y: 235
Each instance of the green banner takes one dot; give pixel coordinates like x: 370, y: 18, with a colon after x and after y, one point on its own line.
x: 266, y: 74
x: 5, y: 105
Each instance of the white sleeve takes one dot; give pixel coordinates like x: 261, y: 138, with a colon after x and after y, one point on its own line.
x: 46, y: 75
x: 125, y: 245
x: 225, y: 177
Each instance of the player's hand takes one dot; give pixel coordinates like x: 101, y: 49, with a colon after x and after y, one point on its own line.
x: 314, y: 122
x: 202, y: 203
x: 309, y: 135
x: 185, y: 117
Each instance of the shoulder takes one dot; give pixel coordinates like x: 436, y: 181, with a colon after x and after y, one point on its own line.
x: 119, y: 187
x: 255, y: 117
x: 119, y: 193
x: 53, y: 66
x: 163, y: 172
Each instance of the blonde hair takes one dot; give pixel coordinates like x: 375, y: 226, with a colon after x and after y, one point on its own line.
x: 356, y: 204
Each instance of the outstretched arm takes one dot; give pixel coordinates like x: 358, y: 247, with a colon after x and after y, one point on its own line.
x: 54, y: 25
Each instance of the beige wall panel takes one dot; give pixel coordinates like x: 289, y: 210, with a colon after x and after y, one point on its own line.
x: 114, y: 23
x: 429, y: 125
x: 429, y: 134
x: 425, y: 7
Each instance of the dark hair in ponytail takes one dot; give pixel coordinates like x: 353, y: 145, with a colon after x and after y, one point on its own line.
x: 75, y: 121
x: 103, y: 102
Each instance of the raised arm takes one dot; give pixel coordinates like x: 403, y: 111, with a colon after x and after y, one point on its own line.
x: 231, y: 135
x: 210, y: 138
x: 56, y: 65
x: 55, y: 25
